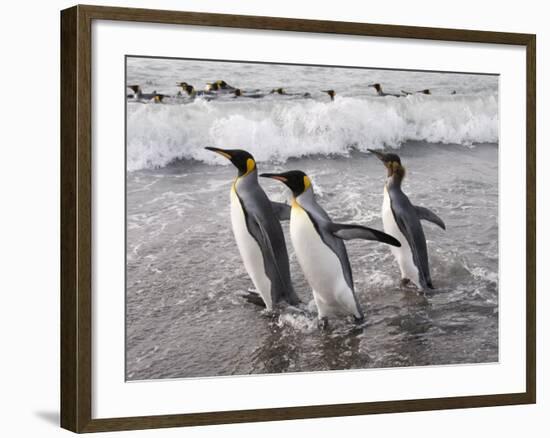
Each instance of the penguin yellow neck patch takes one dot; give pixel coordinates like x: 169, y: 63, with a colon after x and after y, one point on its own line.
x: 250, y: 165
x: 307, y: 182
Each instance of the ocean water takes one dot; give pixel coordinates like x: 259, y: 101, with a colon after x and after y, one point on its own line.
x: 186, y: 316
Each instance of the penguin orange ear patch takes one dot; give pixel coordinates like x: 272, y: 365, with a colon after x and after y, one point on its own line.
x: 250, y: 165
x: 307, y: 182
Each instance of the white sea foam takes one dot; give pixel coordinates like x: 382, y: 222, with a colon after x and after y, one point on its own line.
x: 276, y: 130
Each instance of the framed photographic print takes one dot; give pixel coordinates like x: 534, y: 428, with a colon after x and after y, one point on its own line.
x: 304, y: 218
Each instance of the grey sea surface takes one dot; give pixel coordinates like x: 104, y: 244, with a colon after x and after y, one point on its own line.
x: 185, y: 316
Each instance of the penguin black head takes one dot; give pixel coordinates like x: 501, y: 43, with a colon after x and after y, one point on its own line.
x: 426, y: 91
x: 278, y: 91
x: 295, y: 180
x: 392, y: 163
x: 242, y: 160
x: 189, y: 89
x: 221, y: 84
x: 331, y: 93
x: 376, y: 86
x: 182, y: 85
x: 135, y: 88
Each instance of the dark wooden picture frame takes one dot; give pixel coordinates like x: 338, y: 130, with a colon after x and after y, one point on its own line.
x: 76, y: 218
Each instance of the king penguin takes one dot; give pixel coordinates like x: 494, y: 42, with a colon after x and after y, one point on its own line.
x: 259, y: 235
x: 381, y: 92
x: 402, y: 219
x: 331, y: 93
x: 140, y: 95
x: 320, y: 249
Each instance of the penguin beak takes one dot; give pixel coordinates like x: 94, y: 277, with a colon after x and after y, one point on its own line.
x: 381, y: 156
x: 274, y: 176
x: 220, y: 151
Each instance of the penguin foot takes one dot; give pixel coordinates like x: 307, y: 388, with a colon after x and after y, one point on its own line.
x: 405, y: 282
x: 296, y: 309
x: 359, y: 320
x: 322, y: 323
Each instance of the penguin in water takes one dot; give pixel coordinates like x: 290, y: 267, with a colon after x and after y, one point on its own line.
x: 381, y: 92
x: 159, y: 97
x: 219, y: 85
x: 402, y: 219
x: 182, y: 85
x: 331, y: 93
x: 139, y: 95
x: 212, y: 86
x: 189, y: 90
x: 222, y: 85
x: 251, y: 95
x: 320, y: 249
x: 145, y: 97
x: 259, y: 235
x: 408, y: 93
x: 282, y: 92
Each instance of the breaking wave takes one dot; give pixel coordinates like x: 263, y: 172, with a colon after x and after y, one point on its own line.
x: 276, y: 130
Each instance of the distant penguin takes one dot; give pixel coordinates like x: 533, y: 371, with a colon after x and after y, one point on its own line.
x: 381, y: 92
x: 278, y: 91
x: 251, y: 95
x: 402, y: 220
x: 408, y: 93
x: 159, y: 97
x: 320, y: 249
x: 189, y: 90
x: 139, y: 95
x: 259, y: 235
x: 219, y: 85
x: 222, y: 85
x: 136, y: 89
x: 331, y: 93
x: 211, y: 86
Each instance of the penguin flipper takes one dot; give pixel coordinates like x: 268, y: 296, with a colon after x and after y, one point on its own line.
x: 428, y: 215
x: 409, y: 224
x: 281, y: 210
x: 289, y: 294
x: 351, y: 231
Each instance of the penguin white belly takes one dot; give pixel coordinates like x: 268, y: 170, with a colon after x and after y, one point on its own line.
x: 321, y: 267
x: 250, y: 251
x: 402, y: 254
